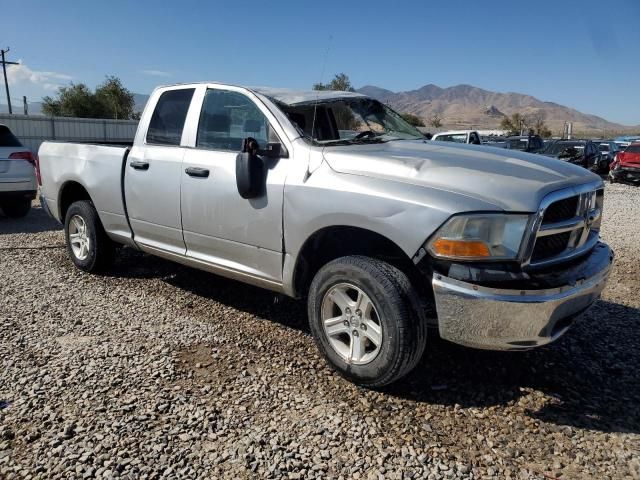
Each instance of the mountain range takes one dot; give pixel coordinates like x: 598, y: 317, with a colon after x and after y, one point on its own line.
x: 462, y: 107
x: 466, y: 106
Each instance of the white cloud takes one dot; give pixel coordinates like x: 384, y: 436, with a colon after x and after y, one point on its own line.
x: 156, y: 73
x: 21, y: 75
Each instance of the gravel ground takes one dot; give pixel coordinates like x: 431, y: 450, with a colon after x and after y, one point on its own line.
x: 159, y: 371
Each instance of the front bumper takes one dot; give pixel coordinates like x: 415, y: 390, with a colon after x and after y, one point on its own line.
x: 505, y: 319
x: 629, y: 174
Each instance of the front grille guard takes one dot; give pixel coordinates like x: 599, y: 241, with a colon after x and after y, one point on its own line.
x: 584, y: 226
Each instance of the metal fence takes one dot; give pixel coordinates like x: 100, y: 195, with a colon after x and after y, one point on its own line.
x: 32, y: 130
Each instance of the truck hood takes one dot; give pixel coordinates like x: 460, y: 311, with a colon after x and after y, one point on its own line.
x: 508, y: 179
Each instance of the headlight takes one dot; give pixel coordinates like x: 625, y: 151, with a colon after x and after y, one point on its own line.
x: 491, y: 236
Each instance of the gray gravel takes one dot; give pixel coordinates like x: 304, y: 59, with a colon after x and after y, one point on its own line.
x: 159, y: 371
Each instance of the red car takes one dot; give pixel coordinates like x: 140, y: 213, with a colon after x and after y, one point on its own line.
x: 626, y: 165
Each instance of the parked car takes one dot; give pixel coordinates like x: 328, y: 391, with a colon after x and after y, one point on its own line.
x: 626, y: 140
x: 608, y: 149
x: 579, y: 152
x: 494, y: 141
x: 383, y: 233
x: 18, y: 185
x: 458, y: 136
x: 626, y: 165
x: 525, y: 143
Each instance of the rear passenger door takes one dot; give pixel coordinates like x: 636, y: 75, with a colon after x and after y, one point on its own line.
x: 220, y: 227
x: 153, y: 173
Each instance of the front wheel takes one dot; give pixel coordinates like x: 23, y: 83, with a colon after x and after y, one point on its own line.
x: 88, y: 245
x: 367, y: 320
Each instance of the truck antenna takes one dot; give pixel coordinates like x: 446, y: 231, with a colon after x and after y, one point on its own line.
x: 319, y: 84
x: 315, y: 105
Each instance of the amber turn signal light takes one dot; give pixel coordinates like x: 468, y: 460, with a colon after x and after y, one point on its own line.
x: 460, y: 248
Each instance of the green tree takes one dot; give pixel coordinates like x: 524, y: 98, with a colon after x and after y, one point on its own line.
x: 537, y: 122
x: 110, y: 100
x: 436, y: 120
x: 340, y: 82
x: 76, y: 100
x: 412, y: 119
x: 515, y: 124
x: 116, y: 100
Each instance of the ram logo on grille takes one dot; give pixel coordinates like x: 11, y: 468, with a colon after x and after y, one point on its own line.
x: 588, y: 210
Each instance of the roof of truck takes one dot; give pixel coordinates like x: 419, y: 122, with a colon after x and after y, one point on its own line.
x: 284, y: 95
x: 298, y: 97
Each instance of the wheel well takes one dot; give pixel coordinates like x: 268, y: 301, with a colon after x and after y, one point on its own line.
x: 71, y: 192
x: 333, y: 242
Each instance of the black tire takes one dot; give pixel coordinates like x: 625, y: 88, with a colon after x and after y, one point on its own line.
x: 100, y: 246
x: 400, y: 312
x: 16, y: 208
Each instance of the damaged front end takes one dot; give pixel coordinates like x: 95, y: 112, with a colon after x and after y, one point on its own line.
x: 508, y: 301
x: 502, y: 310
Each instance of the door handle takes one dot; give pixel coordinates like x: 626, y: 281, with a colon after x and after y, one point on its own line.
x: 139, y: 165
x: 197, y: 172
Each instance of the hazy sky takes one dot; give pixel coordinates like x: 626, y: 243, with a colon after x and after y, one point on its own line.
x: 583, y: 54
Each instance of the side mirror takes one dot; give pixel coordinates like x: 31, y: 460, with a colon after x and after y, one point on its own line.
x: 249, y: 170
x: 273, y: 150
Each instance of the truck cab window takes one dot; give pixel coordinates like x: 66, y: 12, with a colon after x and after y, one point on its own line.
x: 227, y: 118
x: 167, y: 121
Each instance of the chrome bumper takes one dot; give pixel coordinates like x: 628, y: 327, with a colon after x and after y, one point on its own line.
x: 503, y: 319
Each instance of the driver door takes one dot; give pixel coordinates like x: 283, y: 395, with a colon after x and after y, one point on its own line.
x: 238, y: 236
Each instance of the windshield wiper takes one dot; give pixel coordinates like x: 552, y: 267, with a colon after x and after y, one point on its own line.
x: 353, y: 141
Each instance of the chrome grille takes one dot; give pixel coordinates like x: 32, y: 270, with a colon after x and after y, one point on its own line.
x: 567, y: 225
x: 550, y: 246
x: 564, y: 209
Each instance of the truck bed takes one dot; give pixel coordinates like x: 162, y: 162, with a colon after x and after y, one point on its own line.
x: 98, y: 169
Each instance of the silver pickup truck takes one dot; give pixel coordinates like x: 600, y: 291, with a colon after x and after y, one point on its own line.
x: 332, y: 197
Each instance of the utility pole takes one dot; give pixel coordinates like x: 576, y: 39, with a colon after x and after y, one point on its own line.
x: 6, y: 82
x: 25, y: 105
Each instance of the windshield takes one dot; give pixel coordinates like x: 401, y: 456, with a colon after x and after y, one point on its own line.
x: 604, y: 147
x: 349, y: 121
x: 560, y: 147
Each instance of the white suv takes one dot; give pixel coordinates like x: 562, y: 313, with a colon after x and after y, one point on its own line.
x: 458, y: 136
x: 18, y: 175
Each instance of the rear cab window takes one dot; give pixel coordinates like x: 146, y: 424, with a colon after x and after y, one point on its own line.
x: 457, y: 138
x: 167, y: 121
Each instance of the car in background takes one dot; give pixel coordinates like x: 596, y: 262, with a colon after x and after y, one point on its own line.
x: 626, y: 140
x: 18, y: 177
x: 626, y: 165
x: 525, y: 143
x: 579, y: 152
x: 458, y: 136
x: 495, y: 141
x: 608, y: 149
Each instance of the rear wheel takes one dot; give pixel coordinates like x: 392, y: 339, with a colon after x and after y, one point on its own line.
x: 367, y: 320
x: 16, y: 208
x: 88, y: 245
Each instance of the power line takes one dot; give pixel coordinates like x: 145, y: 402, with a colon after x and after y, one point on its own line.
x: 4, y: 71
